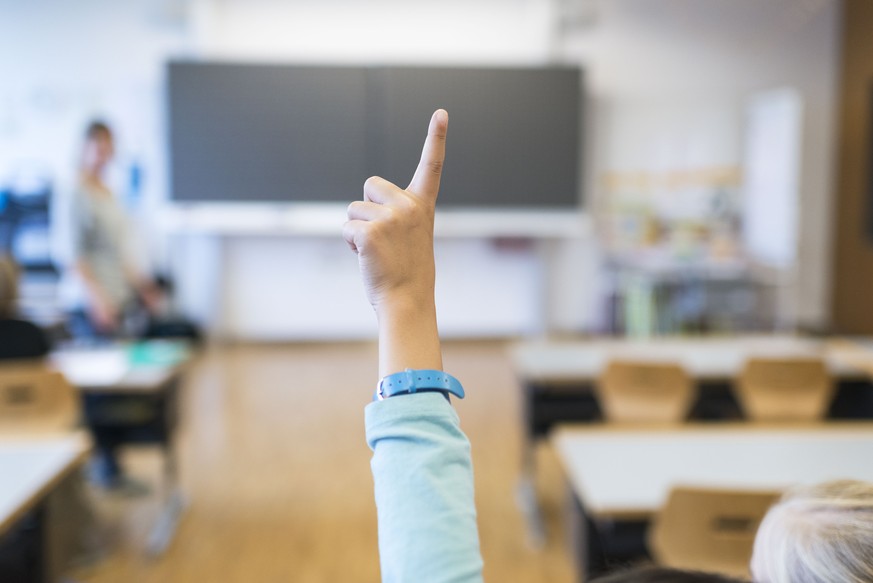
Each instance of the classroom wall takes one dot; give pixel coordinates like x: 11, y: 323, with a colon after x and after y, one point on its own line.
x: 668, y: 83
x: 286, y: 287
x: 668, y: 87
x: 853, y: 242
x: 63, y: 63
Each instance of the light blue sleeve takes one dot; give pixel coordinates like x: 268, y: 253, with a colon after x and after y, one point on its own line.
x: 423, y: 480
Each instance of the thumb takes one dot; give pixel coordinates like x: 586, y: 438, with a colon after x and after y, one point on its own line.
x: 426, y: 180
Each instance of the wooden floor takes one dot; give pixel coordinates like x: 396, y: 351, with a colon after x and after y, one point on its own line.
x: 276, y: 469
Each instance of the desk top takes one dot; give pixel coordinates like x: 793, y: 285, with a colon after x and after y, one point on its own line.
x: 618, y: 470
x: 143, y: 367
x: 31, y: 466
x: 852, y: 352
x: 704, y: 358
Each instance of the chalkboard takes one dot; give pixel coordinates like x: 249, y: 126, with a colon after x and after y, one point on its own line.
x: 267, y: 132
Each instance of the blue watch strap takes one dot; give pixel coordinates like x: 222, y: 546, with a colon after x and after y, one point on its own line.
x: 413, y: 381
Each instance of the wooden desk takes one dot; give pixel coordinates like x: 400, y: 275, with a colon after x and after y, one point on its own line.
x: 31, y: 467
x: 147, y: 367
x: 557, y: 380
x: 623, y: 474
x: 558, y: 377
x: 132, y: 392
x: 854, y: 352
x: 570, y: 364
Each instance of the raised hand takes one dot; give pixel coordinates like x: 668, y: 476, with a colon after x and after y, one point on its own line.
x: 391, y: 230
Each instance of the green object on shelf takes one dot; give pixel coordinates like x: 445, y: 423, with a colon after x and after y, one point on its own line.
x: 640, y: 312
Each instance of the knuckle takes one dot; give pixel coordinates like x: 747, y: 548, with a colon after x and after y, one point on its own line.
x: 393, y: 218
x: 363, y: 237
x: 436, y: 166
x: 404, y: 203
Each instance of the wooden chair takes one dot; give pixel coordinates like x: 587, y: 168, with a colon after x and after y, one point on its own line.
x: 34, y: 398
x: 709, y: 529
x: 784, y: 389
x: 645, y: 392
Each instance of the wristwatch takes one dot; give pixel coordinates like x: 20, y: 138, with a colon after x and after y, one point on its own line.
x: 418, y: 381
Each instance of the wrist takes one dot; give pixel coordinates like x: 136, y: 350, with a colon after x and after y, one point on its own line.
x: 405, y: 306
x: 101, y: 300
x: 408, y: 337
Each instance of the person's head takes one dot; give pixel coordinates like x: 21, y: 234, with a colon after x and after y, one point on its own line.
x: 8, y: 286
x: 98, y: 148
x: 664, y: 575
x: 817, y: 534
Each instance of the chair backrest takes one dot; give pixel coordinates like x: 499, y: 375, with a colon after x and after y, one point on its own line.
x: 774, y: 389
x: 709, y: 529
x: 34, y: 398
x: 632, y: 391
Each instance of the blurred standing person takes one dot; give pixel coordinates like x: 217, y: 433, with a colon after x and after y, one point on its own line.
x: 106, y: 291
x: 108, y: 284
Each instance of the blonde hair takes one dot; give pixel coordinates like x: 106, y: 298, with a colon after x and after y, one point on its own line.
x: 8, y: 286
x: 817, y: 534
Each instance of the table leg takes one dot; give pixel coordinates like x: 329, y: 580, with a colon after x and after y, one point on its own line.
x: 602, y: 546
x: 586, y: 544
x: 528, y: 501
x: 526, y: 491
x: 173, y: 503
x: 165, y: 527
x: 23, y: 553
x: 39, y: 566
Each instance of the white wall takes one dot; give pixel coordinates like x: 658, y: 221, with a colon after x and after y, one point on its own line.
x: 396, y: 31
x: 313, y: 290
x: 64, y: 63
x: 483, y: 289
x: 681, y: 68
x: 669, y: 82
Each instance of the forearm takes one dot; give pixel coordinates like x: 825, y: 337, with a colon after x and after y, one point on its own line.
x: 135, y: 279
x: 95, y: 291
x: 422, y: 470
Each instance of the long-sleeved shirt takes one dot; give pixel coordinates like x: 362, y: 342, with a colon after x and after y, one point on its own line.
x: 423, y: 478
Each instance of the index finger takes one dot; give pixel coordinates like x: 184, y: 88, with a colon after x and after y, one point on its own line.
x: 426, y: 180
